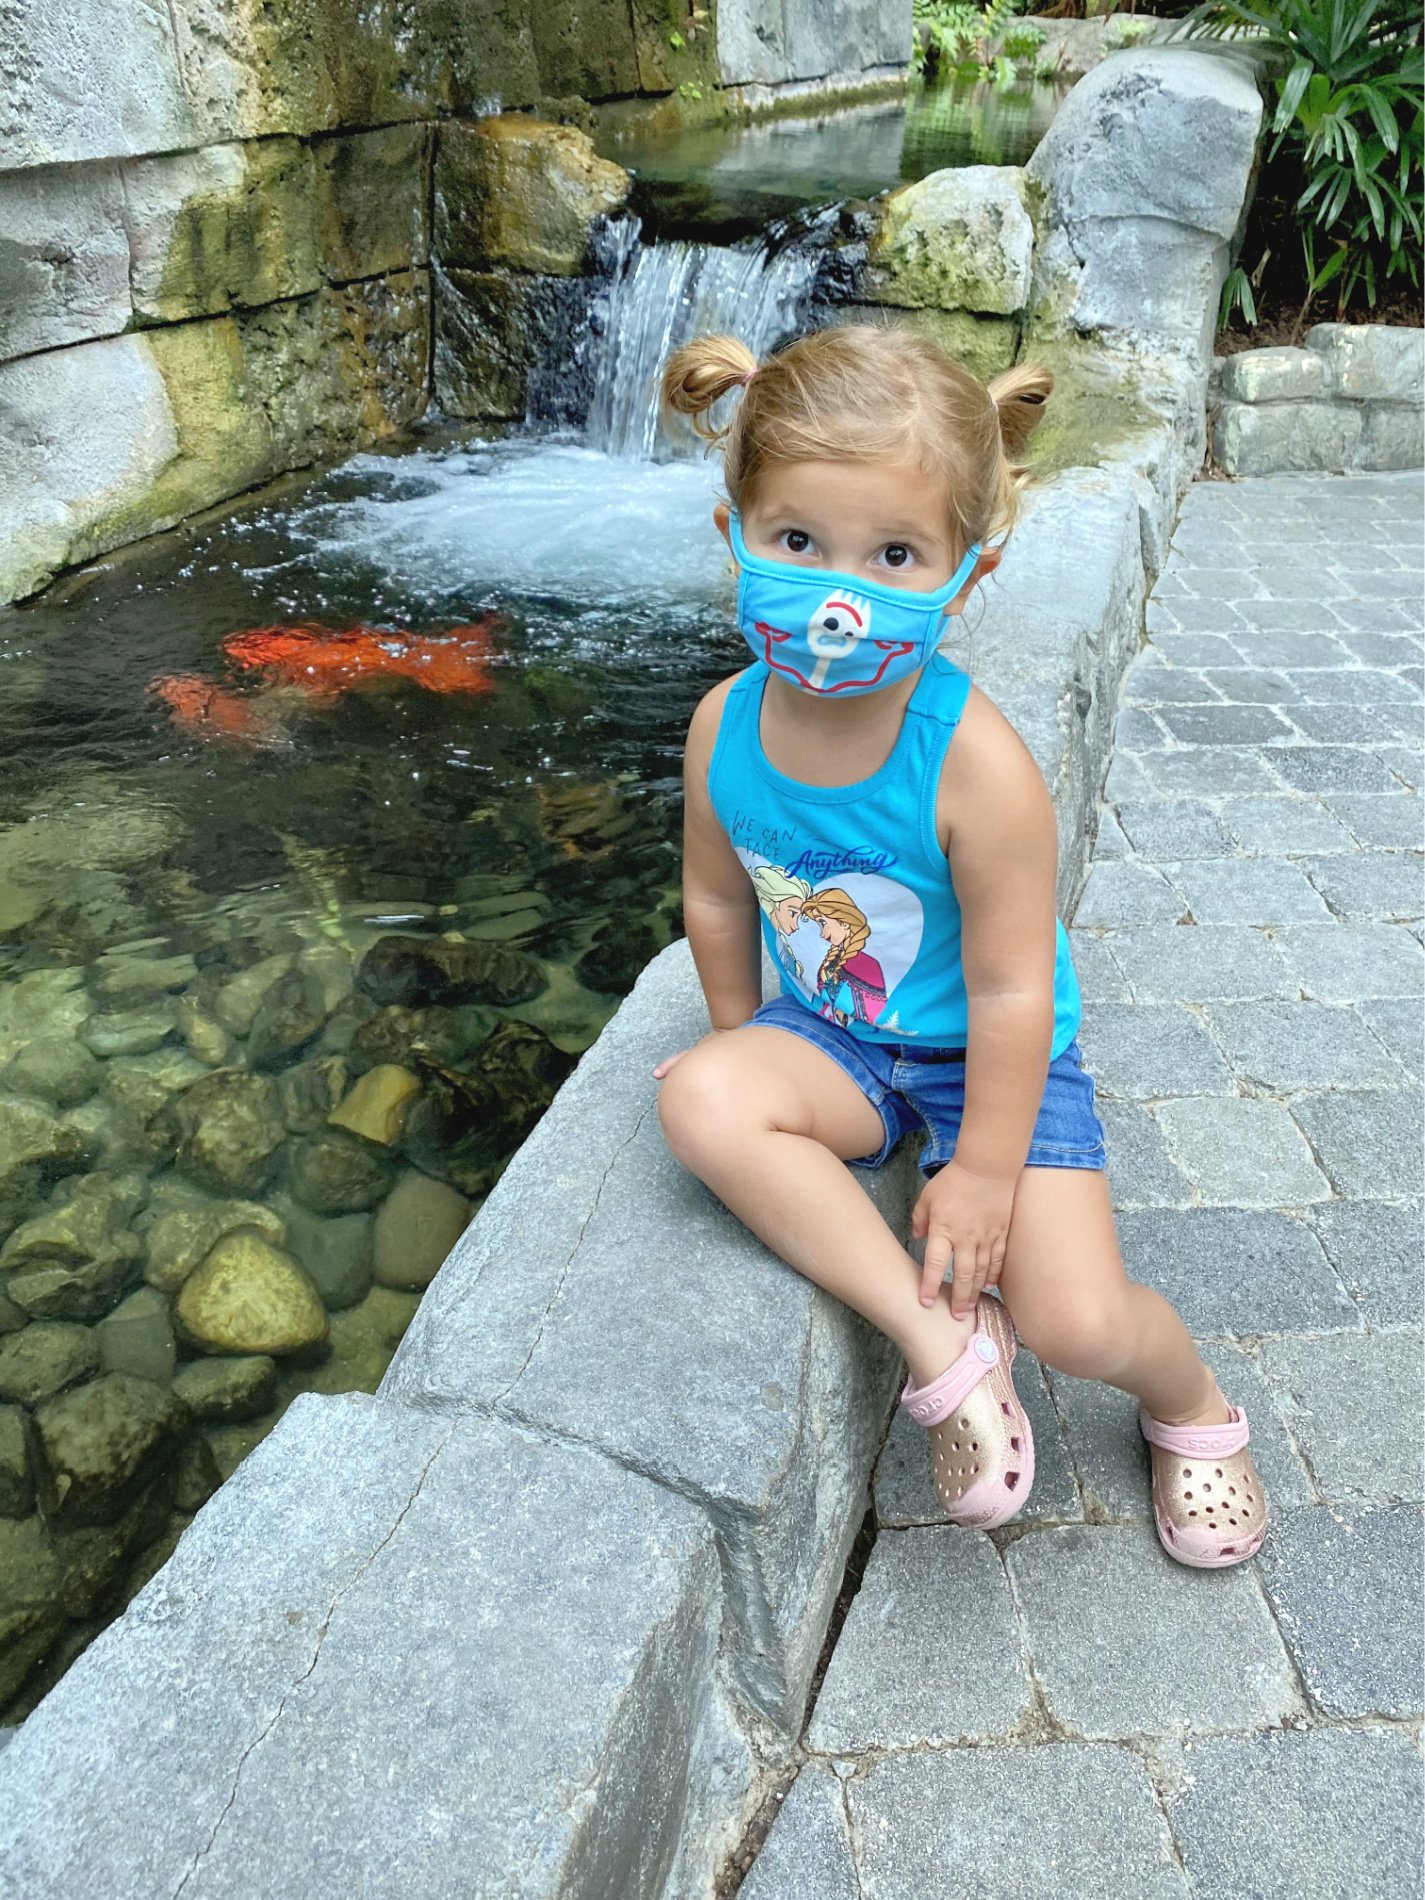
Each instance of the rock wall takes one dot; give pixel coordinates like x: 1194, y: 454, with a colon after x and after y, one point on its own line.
x: 1350, y: 400
x: 261, y: 175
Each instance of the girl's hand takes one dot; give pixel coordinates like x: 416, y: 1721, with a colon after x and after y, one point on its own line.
x: 966, y: 1216
x: 670, y: 1062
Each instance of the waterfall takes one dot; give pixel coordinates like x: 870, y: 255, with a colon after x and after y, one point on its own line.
x: 659, y: 295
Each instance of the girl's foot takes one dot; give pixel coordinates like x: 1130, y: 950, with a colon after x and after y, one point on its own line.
x: 981, y: 1447
x: 1207, y: 1497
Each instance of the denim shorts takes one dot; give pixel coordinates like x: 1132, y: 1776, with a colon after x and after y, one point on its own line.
x: 918, y: 1090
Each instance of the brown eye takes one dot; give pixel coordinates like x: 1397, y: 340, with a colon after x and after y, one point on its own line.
x: 797, y: 540
x: 897, y: 554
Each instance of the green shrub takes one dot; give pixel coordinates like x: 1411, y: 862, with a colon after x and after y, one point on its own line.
x: 1343, y: 81
x: 960, y: 34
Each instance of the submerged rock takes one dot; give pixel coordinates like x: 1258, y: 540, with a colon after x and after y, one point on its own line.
x: 230, y: 1128
x: 121, y: 980
x: 239, y: 1000
x: 377, y: 1105
x: 249, y: 1297
x: 336, y: 1252
x: 196, y: 1475
x: 394, y: 1033
x: 180, y: 1238
x: 228, y: 1389
x: 310, y: 1092
x: 469, y: 1122
x: 363, y: 1344
x: 17, y: 1484
x: 77, y: 1258
x: 56, y: 1068
x: 132, y: 1032
x: 416, y: 1228
x: 93, y: 1558
x: 137, y: 1337
x: 201, y: 1036
x: 47, y: 1357
x: 290, y: 1014
x: 34, y: 1145
x: 417, y: 971
x: 101, y: 1444
x: 336, y: 1173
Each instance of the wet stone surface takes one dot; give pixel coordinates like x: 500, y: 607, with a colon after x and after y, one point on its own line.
x: 1249, y: 923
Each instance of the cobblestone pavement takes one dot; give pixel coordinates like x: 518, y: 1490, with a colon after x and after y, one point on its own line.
x: 1248, y: 946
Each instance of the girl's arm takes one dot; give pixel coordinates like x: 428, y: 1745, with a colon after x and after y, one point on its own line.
x: 719, y: 903
x: 997, y: 823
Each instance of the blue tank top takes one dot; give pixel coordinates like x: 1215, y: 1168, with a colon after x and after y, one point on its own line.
x: 858, y: 909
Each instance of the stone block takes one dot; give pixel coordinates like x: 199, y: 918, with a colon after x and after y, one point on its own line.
x: 64, y: 265
x: 1141, y: 1172
x: 326, y: 1592
x: 1392, y: 437
x: 1235, y: 1271
x: 1186, y: 1660
x: 1241, y: 1152
x: 1375, y: 1248
x: 1247, y: 891
x: 493, y: 328
x: 957, y: 240
x: 562, y: 1307
x: 515, y: 192
x: 1318, y: 1567
x: 1353, y: 1402
x: 1101, y: 980
x: 228, y: 227
x: 1274, y: 375
x: 1345, y: 963
x: 1329, y: 769
x: 807, y: 1854
x: 894, y: 1680
x: 1281, y: 827
x: 1321, y: 436
x: 1171, y: 963
x: 1372, y: 884
x: 371, y: 198
x: 1224, y: 725
x: 1287, y: 1046
x: 1172, y: 134
x: 985, y: 345
x: 1142, y: 1051
x: 585, y: 48
x: 1369, y: 1143
x: 1063, y: 1818
x: 1127, y: 893
x: 1167, y: 829
x: 1211, y: 771
x: 1372, y: 362
x: 1327, y: 1811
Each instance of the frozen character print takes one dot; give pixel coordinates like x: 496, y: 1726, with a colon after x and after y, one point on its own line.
x: 782, y: 898
x: 850, y: 985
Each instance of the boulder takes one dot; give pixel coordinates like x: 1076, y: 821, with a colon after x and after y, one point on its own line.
x: 137, y: 1337
x: 231, y: 1126
x: 1272, y: 438
x: 99, y: 1446
x: 517, y: 192
x: 290, y: 1014
x: 957, y: 240
x: 470, y: 1121
x: 181, y: 1236
x: 336, y: 1173
x: 377, y: 1104
x: 75, y: 1260
x: 1278, y: 375
x: 240, y: 998
x: 204, y: 1039
x: 55, y: 1068
x: 416, y: 1227
x: 336, y: 1251
x: 93, y: 1558
x: 47, y: 1357
x: 17, y: 1484
x: 228, y: 1389
x: 417, y: 971
x: 32, y: 1137
x: 124, y: 979
x: 310, y: 1092
x: 250, y: 1297
x: 394, y: 1033
x: 1392, y: 436
x: 1372, y: 362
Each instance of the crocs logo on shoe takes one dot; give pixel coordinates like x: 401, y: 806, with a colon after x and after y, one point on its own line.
x: 987, y: 1350
x: 1182, y: 1441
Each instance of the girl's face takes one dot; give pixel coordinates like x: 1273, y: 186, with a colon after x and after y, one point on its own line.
x: 787, y: 915
x: 832, y: 931
x: 881, y: 521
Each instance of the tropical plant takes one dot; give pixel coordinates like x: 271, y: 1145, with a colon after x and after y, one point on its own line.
x: 962, y: 35
x: 1344, y: 81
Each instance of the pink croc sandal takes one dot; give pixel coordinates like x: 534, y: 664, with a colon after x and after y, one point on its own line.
x: 981, y: 1447
x: 1207, y: 1497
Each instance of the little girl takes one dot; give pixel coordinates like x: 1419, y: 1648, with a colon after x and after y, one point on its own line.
x: 927, y: 986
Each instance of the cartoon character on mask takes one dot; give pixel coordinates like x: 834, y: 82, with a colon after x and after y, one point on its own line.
x: 781, y: 898
x: 850, y: 985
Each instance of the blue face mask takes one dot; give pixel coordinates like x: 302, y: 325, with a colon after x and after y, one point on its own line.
x: 832, y: 633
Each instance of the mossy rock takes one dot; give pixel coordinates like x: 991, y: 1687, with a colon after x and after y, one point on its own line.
x: 100, y: 1445
x: 517, y: 192
x: 248, y: 1297
x: 957, y: 240
x: 45, y: 1358
x: 1100, y: 406
x: 228, y: 1390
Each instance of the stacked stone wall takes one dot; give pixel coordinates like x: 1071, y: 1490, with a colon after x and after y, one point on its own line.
x: 1351, y: 399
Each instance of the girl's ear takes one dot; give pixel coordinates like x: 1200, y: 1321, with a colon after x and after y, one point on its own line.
x: 722, y: 515
x: 989, y: 560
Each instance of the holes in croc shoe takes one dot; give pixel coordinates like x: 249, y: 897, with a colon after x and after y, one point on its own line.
x: 1187, y: 1471
x: 1014, y: 1442
x: 1006, y: 1408
x: 1011, y: 1479
x: 1187, y: 1494
x: 1218, y: 1472
x: 1192, y: 1513
x: 1228, y: 1550
x: 1231, y: 1490
x: 1206, y: 1488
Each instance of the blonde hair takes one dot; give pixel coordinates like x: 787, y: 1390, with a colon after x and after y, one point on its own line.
x: 859, y: 393
x: 843, y: 909
x: 773, y: 886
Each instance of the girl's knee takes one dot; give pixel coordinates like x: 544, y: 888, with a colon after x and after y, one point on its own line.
x: 1088, y: 1339
x: 702, y: 1101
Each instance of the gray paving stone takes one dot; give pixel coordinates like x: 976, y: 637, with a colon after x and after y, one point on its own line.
x: 1141, y: 1172
x: 1390, y: 650
x: 1397, y: 1021
x: 1397, y: 823
x: 1242, y: 1153
x: 1329, y: 1813
x: 1223, y: 725
x: 1247, y: 891
x: 1387, y: 884
x: 1296, y: 618
x: 1139, y: 1052
x: 1168, y: 963
x: 1278, y: 827
x: 1197, y: 649
x: 1251, y: 685
x: 1153, y: 682
x: 1375, y: 1247
x: 903, y: 1672
x: 1007, y: 1823
x: 1108, y: 838
x: 1404, y: 763
x: 1136, y: 730
x: 1100, y: 979
x: 1345, y: 963
x: 1172, y: 828
x: 1369, y: 1143
x: 1200, y: 1650
x: 1320, y: 1568
x: 1286, y: 1046
x: 1207, y: 771
x: 1284, y: 647
x: 1285, y: 1478
x: 903, y: 1493
x: 807, y: 1854
x: 1355, y: 725
x: 1126, y: 779
x: 1234, y: 1272
x: 1126, y: 893
x: 1330, y: 769
x: 1207, y: 616
x: 1337, y: 682
x: 1353, y: 1402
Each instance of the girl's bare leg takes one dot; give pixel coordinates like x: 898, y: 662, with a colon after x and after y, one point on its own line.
x: 1074, y: 1306
x: 767, y: 1120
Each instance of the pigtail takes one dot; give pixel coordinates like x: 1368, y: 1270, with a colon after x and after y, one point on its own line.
x: 700, y: 374
x: 1019, y: 396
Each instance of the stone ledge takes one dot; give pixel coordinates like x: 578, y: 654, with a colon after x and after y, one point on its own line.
x: 1350, y: 400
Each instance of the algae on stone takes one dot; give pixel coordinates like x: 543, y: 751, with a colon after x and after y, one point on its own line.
x: 957, y: 240
x: 518, y: 192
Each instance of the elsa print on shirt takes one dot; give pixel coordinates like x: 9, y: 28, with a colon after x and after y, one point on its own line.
x: 782, y: 898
